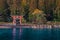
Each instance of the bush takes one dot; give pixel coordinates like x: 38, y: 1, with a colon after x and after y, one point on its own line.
x: 23, y: 20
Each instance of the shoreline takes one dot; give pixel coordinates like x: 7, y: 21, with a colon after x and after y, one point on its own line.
x: 26, y: 25
x: 30, y: 26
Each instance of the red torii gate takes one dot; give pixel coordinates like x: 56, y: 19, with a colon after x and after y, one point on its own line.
x: 19, y: 17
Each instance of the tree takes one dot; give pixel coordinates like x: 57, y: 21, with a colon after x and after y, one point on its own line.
x: 50, y: 6
x: 7, y: 13
x: 26, y: 12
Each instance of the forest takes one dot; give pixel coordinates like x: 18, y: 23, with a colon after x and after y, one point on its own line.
x: 31, y: 10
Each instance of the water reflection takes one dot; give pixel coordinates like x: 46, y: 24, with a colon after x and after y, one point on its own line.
x: 30, y: 34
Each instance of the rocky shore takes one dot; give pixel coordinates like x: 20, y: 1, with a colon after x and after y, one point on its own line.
x: 30, y: 26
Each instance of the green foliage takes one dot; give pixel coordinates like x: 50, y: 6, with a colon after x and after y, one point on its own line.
x: 26, y: 13
x: 57, y: 16
x: 31, y: 17
x: 37, y: 18
x: 23, y: 20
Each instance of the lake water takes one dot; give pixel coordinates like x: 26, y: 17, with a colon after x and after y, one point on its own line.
x: 30, y: 34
